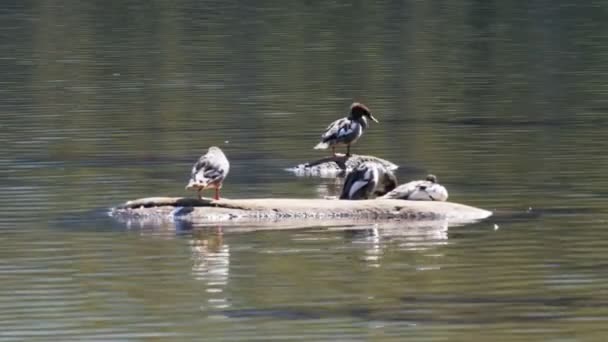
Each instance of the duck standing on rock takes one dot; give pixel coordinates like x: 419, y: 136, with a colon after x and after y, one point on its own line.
x: 367, y: 180
x: 420, y: 190
x: 347, y: 130
x: 209, y: 172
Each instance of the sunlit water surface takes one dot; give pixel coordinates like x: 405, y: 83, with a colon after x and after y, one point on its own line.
x: 101, y: 103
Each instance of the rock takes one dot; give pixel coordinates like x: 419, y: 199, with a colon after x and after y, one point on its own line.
x: 336, y: 166
x: 290, y: 212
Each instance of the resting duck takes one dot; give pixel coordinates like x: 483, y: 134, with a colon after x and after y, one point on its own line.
x: 209, y: 172
x: 347, y: 130
x: 367, y: 180
x: 420, y: 190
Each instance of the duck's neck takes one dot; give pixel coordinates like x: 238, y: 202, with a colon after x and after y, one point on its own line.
x: 362, y: 121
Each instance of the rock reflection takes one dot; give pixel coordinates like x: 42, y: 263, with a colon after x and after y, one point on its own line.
x: 423, y: 238
x: 329, y: 187
x: 410, y: 236
x: 211, y: 264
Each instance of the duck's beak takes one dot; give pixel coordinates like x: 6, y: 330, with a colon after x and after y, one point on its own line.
x: 373, y: 118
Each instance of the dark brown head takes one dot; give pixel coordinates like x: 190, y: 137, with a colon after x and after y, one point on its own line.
x: 388, y: 182
x: 359, y: 110
x: 431, y: 178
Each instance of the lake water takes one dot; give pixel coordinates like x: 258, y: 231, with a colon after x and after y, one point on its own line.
x: 103, y: 102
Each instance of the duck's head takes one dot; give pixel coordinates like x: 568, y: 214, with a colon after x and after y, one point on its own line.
x: 431, y: 178
x: 386, y: 184
x: 359, y: 110
x: 214, y: 149
x: 215, y: 152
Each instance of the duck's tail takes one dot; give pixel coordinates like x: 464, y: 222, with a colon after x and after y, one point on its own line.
x: 190, y: 185
x: 193, y: 184
x: 321, y: 146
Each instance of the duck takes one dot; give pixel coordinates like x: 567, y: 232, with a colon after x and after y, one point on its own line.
x: 367, y: 180
x: 420, y: 190
x: 347, y: 130
x: 209, y: 172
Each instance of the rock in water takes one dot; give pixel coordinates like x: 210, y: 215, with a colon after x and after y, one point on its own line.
x: 279, y: 213
x: 337, y: 166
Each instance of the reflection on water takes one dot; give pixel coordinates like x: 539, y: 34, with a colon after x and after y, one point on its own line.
x: 329, y: 187
x: 370, y: 238
x: 211, y: 265
x: 407, y: 237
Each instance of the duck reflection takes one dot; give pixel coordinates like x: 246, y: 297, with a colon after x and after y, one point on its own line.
x: 372, y: 241
x: 211, y: 264
x: 410, y: 236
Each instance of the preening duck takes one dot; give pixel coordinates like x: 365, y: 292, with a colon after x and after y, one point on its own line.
x: 347, y: 130
x: 420, y: 190
x: 367, y: 180
x: 209, y: 172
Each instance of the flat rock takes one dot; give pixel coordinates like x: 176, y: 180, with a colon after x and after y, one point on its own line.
x: 292, y: 213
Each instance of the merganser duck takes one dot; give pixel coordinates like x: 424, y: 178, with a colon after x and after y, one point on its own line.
x: 420, y: 190
x: 347, y: 130
x: 367, y: 180
x: 209, y: 172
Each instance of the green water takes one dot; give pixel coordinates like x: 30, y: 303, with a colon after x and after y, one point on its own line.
x: 102, y: 102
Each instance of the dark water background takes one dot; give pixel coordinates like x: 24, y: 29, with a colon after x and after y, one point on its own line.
x: 105, y: 101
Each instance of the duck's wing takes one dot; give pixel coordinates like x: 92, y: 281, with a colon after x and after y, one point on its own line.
x: 210, y: 168
x: 437, y: 192
x: 404, y: 191
x: 343, y: 129
x: 360, y: 183
x: 428, y: 191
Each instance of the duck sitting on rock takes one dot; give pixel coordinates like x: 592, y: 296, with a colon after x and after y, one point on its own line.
x: 346, y: 131
x: 367, y: 180
x: 209, y: 172
x: 420, y: 190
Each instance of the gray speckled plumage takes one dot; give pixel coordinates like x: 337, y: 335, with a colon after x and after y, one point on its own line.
x: 420, y: 190
x: 348, y: 130
x: 367, y: 180
x: 209, y: 171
